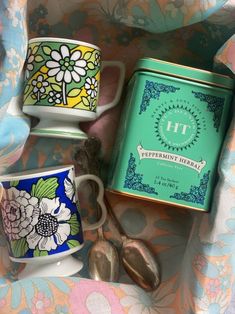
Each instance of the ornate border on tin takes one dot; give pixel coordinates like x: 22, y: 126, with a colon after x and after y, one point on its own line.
x: 214, y: 104
x: 153, y: 90
x: 133, y: 180
x: 197, y: 193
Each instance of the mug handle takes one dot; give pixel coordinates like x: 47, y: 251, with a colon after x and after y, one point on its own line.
x: 100, y: 197
x: 114, y: 102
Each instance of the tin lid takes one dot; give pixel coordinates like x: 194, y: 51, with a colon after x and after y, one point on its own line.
x: 185, y: 72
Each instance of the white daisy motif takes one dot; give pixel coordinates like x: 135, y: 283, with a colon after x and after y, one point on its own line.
x: 66, y: 66
x: 156, y: 302
x: 20, y: 212
x: 69, y: 187
x: 91, y: 87
x: 52, y: 228
x: 55, y: 97
x: 39, y: 85
x: 30, y: 59
x: 97, y: 58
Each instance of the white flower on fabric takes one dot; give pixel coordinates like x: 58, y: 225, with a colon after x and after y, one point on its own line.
x: 136, y: 302
x: 20, y: 213
x: 148, y: 303
x: 217, y: 304
x: 14, y: 58
x: 69, y: 187
x: 91, y: 86
x: 55, y: 97
x: 30, y: 59
x: 52, y: 228
x: 95, y: 298
x: 66, y: 66
x: 39, y: 85
x: 14, y: 12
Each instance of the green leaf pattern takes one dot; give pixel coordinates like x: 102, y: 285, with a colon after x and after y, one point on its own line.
x: 19, y: 247
x: 46, y: 50
x: 74, y: 92
x: 45, y: 188
x: 73, y: 243
x: 38, y: 253
x: 14, y: 183
x: 56, y: 87
x: 74, y: 224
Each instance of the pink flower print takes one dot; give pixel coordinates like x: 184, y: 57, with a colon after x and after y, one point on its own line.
x: 40, y: 303
x: 19, y: 213
x: 87, y: 296
x: 213, y: 287
x: 2, y: 303
x: 231, y: 55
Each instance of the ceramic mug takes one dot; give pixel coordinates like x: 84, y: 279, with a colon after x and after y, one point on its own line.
x: 62, y: 80
x: 41, y: 220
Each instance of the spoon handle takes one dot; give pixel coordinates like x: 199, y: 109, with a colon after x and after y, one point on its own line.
x: 115, y: 220
x: 100, y: 233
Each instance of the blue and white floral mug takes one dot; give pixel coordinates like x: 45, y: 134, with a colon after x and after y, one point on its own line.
x: 62, y: 83
x: 41, y: 219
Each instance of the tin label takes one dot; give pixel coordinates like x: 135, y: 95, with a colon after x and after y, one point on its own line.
x: 171, y: 142
x: 178, y: 159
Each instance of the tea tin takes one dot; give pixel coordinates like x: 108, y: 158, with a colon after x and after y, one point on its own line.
x: 170, y: 134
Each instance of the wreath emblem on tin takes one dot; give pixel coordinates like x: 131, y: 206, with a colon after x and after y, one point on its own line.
x: 177, y: 127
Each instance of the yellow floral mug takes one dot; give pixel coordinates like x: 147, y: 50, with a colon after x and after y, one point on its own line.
x: 62, y: 80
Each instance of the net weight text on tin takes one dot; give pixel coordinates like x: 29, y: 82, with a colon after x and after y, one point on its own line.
x: 166, y: 182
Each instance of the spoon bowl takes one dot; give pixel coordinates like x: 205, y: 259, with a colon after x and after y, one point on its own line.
x: 137, y: 259
x: 139, y: 262
x: 103, y: 260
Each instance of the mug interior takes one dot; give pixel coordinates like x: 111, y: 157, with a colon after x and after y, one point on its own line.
x: 34, y: 173
x: 63, y: 40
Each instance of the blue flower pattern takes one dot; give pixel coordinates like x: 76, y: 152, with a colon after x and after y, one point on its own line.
x: 133, y: 180
x: 153, y: 90
x: 214, y: 104
x: 196, y: 194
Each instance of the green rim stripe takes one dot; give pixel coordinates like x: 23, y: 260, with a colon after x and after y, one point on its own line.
x: 57, y: 132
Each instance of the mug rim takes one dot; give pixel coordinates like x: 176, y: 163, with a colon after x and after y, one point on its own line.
x: 64, y: 40
x: 34, y: 173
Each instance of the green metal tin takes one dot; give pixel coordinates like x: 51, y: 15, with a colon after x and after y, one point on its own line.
x: 170, y: 135
x: 184, y: 72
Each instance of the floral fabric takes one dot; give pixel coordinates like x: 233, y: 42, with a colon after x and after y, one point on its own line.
x: 195, y: 251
